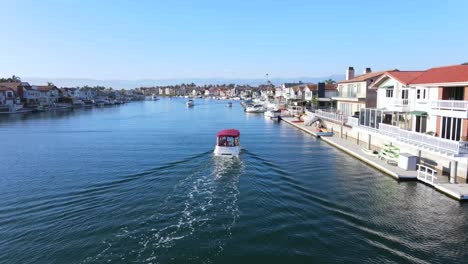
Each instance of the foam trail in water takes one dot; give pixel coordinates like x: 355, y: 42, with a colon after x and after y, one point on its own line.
x: 204, y: 203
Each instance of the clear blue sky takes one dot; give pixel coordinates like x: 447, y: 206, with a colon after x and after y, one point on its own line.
x: 234, y: 39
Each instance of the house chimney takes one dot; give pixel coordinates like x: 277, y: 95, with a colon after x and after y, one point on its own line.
x: 350, y: 73
x: 367, y: 70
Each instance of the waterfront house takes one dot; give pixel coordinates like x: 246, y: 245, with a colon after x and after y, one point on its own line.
x: 9, y: 100
x: 433, y: 101
x: 70, y: 92
x: 233, y: 92
x: 223, y: 92
x: 354, y: 93
x: 169, y: 91
x: 48, y: 94
x: 279, y: 94
x: 323, y: 94
x: 310, y: 91
x: 87, y: 93
x: 17, y: 87
x: 31, y: 97
x: 288, y: 92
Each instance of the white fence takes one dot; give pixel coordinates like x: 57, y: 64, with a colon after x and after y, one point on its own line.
x: 426, y: 174
x: 330, y: 116
x: 352, y: 121
x: 420, y: 139
x: 410, y: 137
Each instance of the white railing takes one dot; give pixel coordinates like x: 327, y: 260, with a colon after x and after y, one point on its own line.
x: 450, y: 104
x: 436, y: 143
x: 398, y: 102
x: 426, y: 174
x: 352, y: 121
x: 330, y: 116
x: 389, y: 130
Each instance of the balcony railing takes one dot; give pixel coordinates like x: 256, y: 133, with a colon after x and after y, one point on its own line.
x: 398, y: 102
x: 449, y: 104
x: 347, y: 95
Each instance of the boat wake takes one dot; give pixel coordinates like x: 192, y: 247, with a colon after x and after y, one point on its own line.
x: 194, y: 221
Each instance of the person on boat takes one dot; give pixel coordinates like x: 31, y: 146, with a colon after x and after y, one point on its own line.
x: 236, y: 142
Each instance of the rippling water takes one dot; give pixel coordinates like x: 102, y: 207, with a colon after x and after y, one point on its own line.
x: 138, y: 184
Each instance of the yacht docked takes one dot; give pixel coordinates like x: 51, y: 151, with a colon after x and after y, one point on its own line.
x: 257, y: 108
x: 227, y: 143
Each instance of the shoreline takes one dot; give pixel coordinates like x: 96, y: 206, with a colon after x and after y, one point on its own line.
x: 456, y: 191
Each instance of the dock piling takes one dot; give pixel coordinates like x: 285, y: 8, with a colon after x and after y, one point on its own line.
x: 453, y: 171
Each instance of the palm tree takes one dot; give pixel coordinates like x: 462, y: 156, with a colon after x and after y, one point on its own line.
x: 330, y: 81
x: 15, y: 78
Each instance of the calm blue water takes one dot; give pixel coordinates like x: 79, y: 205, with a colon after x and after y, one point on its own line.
x: 138, y: 184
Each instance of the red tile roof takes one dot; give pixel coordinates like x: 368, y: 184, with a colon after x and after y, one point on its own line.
x: 4, y: 88
x: 12, y: 85
x: 312, y: 87
x: 44, y: 88
x: 446, y: 74
x: 405, y: 77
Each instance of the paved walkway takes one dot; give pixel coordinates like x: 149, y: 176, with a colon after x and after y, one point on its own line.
x: 457, y: 191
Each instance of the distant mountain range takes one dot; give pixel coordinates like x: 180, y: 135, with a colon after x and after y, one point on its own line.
x: 129, y: 84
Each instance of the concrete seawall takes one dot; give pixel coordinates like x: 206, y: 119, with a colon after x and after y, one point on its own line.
x: 456, y: 191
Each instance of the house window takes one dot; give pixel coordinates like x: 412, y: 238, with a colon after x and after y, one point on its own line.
x: 404, y: 94
x: 421, y: 122
x: 389, y: 93
x: 346, y: 109
x: 451, y: 128
x: 418, y: 94
x: 453, y: 93
x: 358, y: 88
x: 424, y: 93
x: 370, y: 117
x: 350, y: 90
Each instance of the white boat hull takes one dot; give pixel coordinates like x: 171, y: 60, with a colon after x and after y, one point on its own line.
x: 251, y: 109
x: 272, y: 114
x: 227, y: 151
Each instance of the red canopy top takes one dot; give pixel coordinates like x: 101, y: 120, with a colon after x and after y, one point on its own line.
x: 228, y: 133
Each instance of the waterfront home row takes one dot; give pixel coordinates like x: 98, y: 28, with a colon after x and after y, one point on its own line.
x: 320, y: 94
x: 16, y: 96
x: 423, y: 110
x: 433, y: 101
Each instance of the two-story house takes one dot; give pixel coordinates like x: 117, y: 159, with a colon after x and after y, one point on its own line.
x: 9, y: 100
x: 355, y: 93
x: 49, y: 94
x: 322, y: 93
x: 422, y: 104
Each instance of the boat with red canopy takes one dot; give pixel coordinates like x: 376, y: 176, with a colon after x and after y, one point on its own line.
x: 227, y: 143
